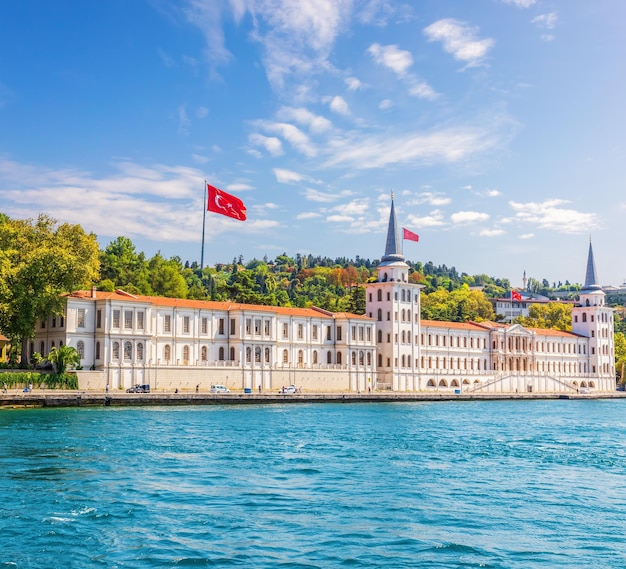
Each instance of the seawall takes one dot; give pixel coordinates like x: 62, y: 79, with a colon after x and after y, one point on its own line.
x: 100, y: 399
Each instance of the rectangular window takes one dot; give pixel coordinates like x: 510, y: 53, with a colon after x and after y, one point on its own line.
x: 116, y: 319
x: 314, y: 332
x: 221, y: 326
x: 80, y: 318
x: 285, y: 330
x: 204, y: 325
x: 167, y: 323
x: 99, y: 318
x: 140, y: 316
x: 338, y: 333
x: 128, y: 319
x: 354, y: 333
x: 369, y: 334
x: 329, y: 333
x: 300, y: 331
x: 361, y: 333
x: 257, y: 327
x: 54, y: 322
x: 267, y: 327
x: 248, y: 326
x: 185, y: 324
x: 233, y: 326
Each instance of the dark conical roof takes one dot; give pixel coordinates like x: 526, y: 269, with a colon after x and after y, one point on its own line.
x: 591, y: 276
x: 393, y: 248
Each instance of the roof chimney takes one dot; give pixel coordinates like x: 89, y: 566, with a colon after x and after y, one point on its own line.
x: 93, y: 292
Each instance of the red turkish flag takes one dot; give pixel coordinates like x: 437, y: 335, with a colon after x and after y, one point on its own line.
x: 515, y: 295
x: 226, y: 204
x: 410, y: 236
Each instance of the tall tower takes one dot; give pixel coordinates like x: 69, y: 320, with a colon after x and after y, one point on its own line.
x: 394, y: 303
x: 593, y: 319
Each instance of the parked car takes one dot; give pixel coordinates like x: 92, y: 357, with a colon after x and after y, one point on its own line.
x: 145, y: 388
x: 219, y: 388
x: 289, y: 389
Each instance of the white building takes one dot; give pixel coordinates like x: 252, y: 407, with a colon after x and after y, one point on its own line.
x: 124, y: 339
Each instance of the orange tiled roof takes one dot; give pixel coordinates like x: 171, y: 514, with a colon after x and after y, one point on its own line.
x: 453, y: 325
x: 213, y: 305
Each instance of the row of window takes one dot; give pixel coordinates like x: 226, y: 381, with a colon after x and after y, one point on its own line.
x: 405, y: 296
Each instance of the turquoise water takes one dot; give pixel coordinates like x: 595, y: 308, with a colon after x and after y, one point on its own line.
x: 497, y: 484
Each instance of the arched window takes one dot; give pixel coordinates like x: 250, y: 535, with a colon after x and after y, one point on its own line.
x: 204, y: 354
x: 220, y: 354
x: 353, y: 358
x: 403, y: 361
x: 585, y: 316
x: 300, y: 358
x: 314, y: 356
x: 185, y: 355
x: 116, y: 350
x: 380, y: 295
x: 140, y: 351
x: 329, y: 357
x: 267, y: 355
x: 380, y: 360
x: 380, y: 336
x: 257, y: 354
x: 167, y: 352
x: 128, y: 351
x: 285, y: 357
x: 339, y: 358
x: 248, y: 354
x: 361, y: 358
x: 80, y: 348
x: 369, y: 358
x: 97, y: 350
x: 380, y: 314
x: 232, y: 354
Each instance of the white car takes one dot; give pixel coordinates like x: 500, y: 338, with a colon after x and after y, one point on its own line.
x: 219, y: 388
x: 289, y: 389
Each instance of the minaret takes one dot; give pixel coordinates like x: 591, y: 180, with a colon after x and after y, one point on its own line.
x: 394, y: 303
x: 594, y: 320
x: 524, y: 281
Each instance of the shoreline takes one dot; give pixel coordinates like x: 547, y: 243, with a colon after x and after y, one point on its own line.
x: 49, y: 399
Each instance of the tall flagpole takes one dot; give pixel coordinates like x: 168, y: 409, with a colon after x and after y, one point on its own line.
x: 204, y: 208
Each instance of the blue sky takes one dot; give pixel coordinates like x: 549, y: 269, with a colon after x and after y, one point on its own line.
x: 498, y: 124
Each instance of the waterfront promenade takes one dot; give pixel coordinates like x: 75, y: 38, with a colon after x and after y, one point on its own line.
x: 63, y: 398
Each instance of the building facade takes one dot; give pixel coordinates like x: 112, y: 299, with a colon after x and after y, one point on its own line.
x: 125, y: 339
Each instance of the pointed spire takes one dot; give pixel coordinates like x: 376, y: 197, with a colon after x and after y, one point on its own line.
x: 393, y: 249
x: 591, y: 278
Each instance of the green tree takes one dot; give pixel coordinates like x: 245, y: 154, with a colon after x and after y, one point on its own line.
x: 63, y: 357
x: 555, y: 315
x: 620, y: 355
x: 39, y: 261
x: 121, y: 264
x: 166, y: 277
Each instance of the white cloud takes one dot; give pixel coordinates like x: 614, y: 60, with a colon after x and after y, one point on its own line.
x: 287, y: 176
x: 202, y: 112
x: 157, y: 202
x: 308, y: 215
x: 423, y: 90
x: 199, y: 158
x: 527, y: 236
x: 433, y: 219
x: 521, y: 3
x: 355, y: 207
x: 491, y: 232
x: 417, y: 148
x: 238, y: 187
x: 430, y: 198
x: 339, y: 218
x: 464, y: 217
x: 353, y: 84
x: 550, y: 215
x: 493, y: 193
x: 339, y: 106
x: 546, y: 21
x: 270, y: 143
x: 459, y: 39
x: 315, y: 123
x: 390, y: 56
x: 292, y: 134
x: 317, y: 196
x: 385, y: 104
